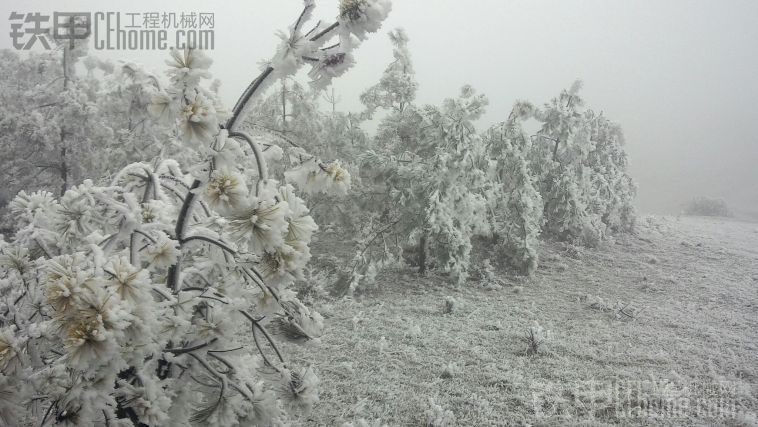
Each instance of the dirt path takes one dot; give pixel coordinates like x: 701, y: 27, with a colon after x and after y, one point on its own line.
x: 659, y: 328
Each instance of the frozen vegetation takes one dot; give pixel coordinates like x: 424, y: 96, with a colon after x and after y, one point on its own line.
x: 624, y: 341
x: 170, y: 261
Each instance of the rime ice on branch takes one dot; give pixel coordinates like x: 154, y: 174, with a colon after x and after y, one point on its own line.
x: 128, y: 303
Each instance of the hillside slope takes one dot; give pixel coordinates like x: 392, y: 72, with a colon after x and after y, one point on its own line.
x: 658, y: 328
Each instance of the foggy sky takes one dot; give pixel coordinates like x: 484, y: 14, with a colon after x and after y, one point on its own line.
x: 681, y: 76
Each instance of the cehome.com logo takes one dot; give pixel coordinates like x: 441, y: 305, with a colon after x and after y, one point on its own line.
x: 114, y: 30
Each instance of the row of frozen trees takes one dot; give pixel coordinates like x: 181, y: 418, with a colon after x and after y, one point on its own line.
x: 133, y: 297
x: 151, y: 293
x: 427, y: 186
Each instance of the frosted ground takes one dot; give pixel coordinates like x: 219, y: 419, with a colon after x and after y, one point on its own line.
x: 667, y: 318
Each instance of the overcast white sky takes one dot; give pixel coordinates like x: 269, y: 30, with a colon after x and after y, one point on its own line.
x: 681, y: 76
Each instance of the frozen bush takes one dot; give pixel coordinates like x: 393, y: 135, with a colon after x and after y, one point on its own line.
x: 437, y: 416
x: 704, y: 206
x: 579, y: 159
x: 515, y: 203
x: 534, y: 338
x: 449, y: 305
x: 450, y: 370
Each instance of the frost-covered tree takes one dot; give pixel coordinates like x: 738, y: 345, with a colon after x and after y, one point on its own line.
x: 49, y: 120
x: 132, y: 303
x: 614, y: 188
x: 430, y: 165
x: 290, y: 110
x: 514, y: 202
x: 558, y: 161
x: 579, y: 161
x: 433, y: 178
x: 397, y: 87
x: 70, y: 116
x: 125, y: 93
x: 428, y: 184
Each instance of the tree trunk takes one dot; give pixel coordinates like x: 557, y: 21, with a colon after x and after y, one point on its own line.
x: 284, y: 106
x: 63, y: 165
x: 422, y: 254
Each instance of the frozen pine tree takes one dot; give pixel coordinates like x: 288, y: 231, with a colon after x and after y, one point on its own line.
x: 515, y: 204
x: 54, y: 123
x: 433, y: 170
x: 397, y: 87
x: 614, y: 188
x: 559, y: 158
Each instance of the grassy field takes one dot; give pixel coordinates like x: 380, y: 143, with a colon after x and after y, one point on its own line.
x: 656, y: 328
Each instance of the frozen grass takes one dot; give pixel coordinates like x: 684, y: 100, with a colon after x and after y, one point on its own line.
x: 609, y: 315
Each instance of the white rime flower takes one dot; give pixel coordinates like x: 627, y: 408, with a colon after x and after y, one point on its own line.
x: 339, y: 178
x: 285, y: 263
x: 296, y: 204
x: 163, y: 253
x: 263, y: 406
x: 360, y: 17
x: 198, y: 120
x: 162, y: 108
x: 329, y: 66
x: 10, y: 351
x: 88, y: 343
x: 226, y: 191
x: 313, y: 177
x: 438, y: 416
x: 299, y: 390
x: 305, y: 176
x: 266, y: 304
x: 262, y: 226
x: 28, y: 205
x: 272, y: 153
x: 300, y: 229
x: 128, y: 282
x: 15, y: 258
x: 228, y: 151
x: 301, y: 225
x: 64, y: 282
x: 156, y: 212
x: 188, y: 66
x: 298, y: 323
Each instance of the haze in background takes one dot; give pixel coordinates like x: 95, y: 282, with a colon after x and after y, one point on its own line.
x: 681, y: 76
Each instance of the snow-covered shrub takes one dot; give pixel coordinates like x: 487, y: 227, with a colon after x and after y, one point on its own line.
x: 515, y: 204
x: 704, y: 206
x: 412, y: 331
x: 613, y: 189
x: 578, y: 159
x: 397, y: 87
x: 534, y: 338
x: 433, y: 194
x: 448, y: 306
x: 450, y: 370
x: 137, y: 302
x: 438, y: 416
